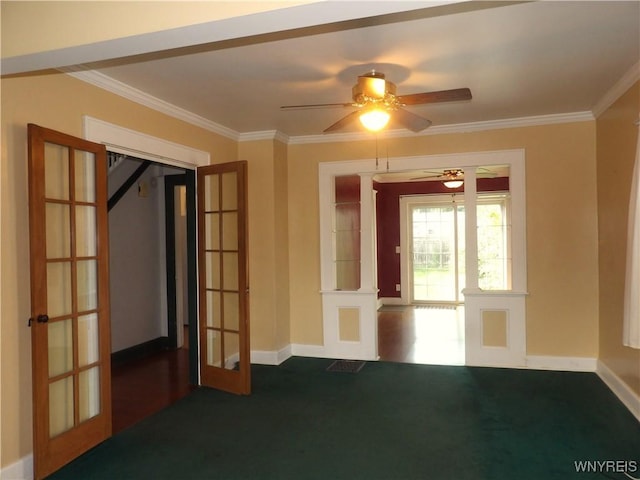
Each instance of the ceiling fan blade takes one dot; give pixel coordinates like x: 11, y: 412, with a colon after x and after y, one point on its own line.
x: 410, y: 120
x: 316, y: 105
x: 426, y: 177
x: 343, y: 122
x: 457, y: 94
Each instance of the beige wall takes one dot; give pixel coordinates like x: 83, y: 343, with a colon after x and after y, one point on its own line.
x: 268, y: 272
x: 562, y: 306
x: 281, y: 186
x: 616, y: 141
x: 58, y: 102
x: 62, y: 24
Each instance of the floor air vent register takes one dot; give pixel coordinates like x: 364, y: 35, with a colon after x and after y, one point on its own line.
x: 346, y: 366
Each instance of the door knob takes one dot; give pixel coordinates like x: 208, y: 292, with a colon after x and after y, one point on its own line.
x: 40, y: 319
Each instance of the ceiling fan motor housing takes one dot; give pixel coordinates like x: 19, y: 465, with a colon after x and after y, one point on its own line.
x: 454, y: 173
x: 373, y: 88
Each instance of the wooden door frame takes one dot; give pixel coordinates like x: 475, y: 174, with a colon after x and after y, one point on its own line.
x: 187, y: 179
x: 141, y: 145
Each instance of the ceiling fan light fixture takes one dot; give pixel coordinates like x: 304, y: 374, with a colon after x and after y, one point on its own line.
x: 453, y: 183
x: 374, y: 119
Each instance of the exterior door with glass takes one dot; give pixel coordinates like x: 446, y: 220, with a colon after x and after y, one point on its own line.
x: 69, y: 297
x: 436, y: 251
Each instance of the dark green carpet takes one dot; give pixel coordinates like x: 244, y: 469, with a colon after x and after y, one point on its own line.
x: 389, y: 421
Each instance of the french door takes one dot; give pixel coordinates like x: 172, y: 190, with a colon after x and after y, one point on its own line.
x: 69, y: 297
x: 223, y: 277
x: 69, y: 264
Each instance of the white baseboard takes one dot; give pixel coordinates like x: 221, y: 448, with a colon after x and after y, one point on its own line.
x: 20, y: 470
x: 265, y: 357
x: 390, y: 301
x: 302, y: 350
x: 534, y: 362
x: 563, y: 364
x: 627, y: 396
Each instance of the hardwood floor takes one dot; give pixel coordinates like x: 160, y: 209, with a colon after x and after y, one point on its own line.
x: 146, y: 386
x: 421, y: 334
x: 405, y: 334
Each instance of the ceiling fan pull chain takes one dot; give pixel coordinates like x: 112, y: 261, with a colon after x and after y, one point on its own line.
x: 376, y: 137
x: 387, y: 148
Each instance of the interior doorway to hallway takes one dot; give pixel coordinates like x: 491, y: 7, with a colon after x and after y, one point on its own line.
x: 151, y: 286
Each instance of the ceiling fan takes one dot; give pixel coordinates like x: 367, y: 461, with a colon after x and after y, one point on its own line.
x: 375, y: 100
x: 454, y: 177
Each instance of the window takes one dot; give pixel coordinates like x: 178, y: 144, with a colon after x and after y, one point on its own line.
x: 494, y: 242
x: 436, y: 245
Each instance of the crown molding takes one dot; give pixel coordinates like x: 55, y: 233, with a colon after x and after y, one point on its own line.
x: 619, y: 89
x: 264, y: 135
x: 456, y: 128
x: 114, y: 86
x: 122, y: 89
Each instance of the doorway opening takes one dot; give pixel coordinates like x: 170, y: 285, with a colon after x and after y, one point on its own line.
x: 427, y: 334
x: 422, y: 319
x: 152, y: 281
x: 495, y: 318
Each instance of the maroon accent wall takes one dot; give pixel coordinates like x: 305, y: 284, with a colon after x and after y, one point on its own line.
x: 388, y: 222
x: 347, y: 188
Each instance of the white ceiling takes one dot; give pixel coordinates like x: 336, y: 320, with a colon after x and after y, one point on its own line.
x: 519, y: 60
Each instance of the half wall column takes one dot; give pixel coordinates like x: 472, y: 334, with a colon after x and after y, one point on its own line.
x: 368, y: 280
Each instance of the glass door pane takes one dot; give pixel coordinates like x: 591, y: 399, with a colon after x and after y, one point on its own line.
x: 221, y: 252
x: 433, y: 253
x: 72, y: 285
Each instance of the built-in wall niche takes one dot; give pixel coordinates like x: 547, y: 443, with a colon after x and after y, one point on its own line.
x: 346, y: 232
